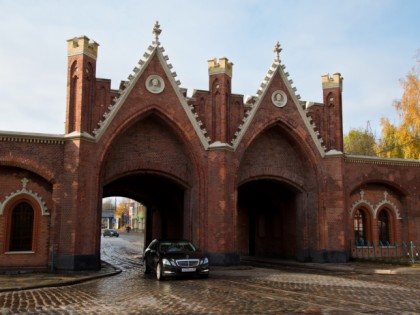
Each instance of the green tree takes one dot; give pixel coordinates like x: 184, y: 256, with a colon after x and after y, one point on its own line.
x: 107, y: 204
x: 402, y: 140
x: 360, y: 142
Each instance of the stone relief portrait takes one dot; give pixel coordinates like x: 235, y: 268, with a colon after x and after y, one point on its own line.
x: 279, y: 98
x: 155, y: 84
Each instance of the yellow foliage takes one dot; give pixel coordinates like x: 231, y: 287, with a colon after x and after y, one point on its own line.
x: 403, y: 140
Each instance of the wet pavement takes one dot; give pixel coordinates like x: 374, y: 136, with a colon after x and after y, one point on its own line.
x: 272, y: 287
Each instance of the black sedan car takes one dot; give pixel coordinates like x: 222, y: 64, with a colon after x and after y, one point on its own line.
x: 110, y: 232
x: 171, y: 258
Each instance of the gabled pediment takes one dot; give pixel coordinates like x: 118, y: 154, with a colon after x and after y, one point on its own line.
x: 155, y: 85
x: 279, y: 99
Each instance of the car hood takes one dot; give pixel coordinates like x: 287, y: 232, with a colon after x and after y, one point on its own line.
x: 189, y: 255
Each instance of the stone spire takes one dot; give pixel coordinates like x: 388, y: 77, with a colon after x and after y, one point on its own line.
x: 157, y: 31
x: 277, y: 50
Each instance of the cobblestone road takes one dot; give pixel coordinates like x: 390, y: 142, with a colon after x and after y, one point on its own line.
x: 241, y: 290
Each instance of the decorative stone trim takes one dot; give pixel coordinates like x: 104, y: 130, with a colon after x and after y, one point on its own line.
x: 389, y: 203
x: 31, y: 138
x: 378, y: 206
x: 29, y: 252
x: 381, y: 161
x: 25, y: 191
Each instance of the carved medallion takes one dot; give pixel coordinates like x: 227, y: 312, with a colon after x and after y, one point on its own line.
x: 155, y: 84
x: 279, y: 98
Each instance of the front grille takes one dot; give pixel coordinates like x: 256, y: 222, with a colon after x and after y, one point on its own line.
x: 187, y: 262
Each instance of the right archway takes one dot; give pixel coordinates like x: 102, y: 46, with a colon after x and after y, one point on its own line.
x: 277, y: 197
x: 267, y: 219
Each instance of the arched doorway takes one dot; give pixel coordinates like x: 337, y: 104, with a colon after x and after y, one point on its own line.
x: 164, y: 199
x: 151, y: 162
x: 267, y: 219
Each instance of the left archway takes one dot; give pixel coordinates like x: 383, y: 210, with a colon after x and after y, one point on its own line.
x: 163, y: 198
x: 151, y: 161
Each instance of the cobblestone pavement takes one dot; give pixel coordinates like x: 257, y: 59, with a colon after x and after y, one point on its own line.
x: 235, y: 290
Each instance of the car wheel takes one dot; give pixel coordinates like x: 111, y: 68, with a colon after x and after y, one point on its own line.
x: 159, y: 275
x: 146, y: 268
x: 204, y: 276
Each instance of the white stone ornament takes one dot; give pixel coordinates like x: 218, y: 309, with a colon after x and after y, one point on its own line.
x: 155, y: 84
x: 279, y: 98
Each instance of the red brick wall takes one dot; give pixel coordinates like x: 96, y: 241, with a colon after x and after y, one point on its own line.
x: 401, y: 184
x: 10, y: 182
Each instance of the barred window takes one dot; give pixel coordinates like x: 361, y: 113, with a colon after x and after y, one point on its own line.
x: 360, y: 227
x: 383, y: 227
x: 22, y: 228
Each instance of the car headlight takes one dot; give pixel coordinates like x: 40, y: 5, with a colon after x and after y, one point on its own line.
x: 168, y: 262
x: 204, y: 261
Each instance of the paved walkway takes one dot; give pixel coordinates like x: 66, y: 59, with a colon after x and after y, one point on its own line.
x: 286, y: 287
x: 23, y: 281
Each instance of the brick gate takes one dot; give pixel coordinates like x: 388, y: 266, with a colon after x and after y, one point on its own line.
x: 261, y: 176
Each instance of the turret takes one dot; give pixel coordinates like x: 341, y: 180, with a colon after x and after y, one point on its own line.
x: 81, y: 78
x: 332, y: 120
x: 220, y: 77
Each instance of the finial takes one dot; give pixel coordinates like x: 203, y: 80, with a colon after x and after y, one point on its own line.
x: 157, y: 31
x: 277, y: 50
x: 25, y: 182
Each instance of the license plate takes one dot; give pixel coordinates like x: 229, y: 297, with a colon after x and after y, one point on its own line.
x: 188, y: 269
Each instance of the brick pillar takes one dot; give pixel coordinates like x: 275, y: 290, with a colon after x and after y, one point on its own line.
x: 332, y: 240
x: 78, y: 234
x: 221, y: 216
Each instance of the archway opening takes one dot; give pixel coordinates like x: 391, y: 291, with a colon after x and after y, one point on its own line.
x: 162, y: 198
x: 267, y: 219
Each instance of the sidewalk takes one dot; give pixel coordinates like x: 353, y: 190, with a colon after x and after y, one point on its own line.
x: 25, y: 281
x: 354, y: 267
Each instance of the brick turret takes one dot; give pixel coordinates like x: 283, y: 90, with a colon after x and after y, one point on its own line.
x: 332, y: 120
x: 220, y: 76
x: 81, y: 78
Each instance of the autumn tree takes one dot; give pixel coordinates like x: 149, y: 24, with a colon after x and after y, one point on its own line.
x: 360, y: 142
x: 402, y: 140
x: 122, y: 208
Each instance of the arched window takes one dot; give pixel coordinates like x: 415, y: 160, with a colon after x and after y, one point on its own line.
x: 360, y: 227
x: 22, y: 227
x: 383, y: 227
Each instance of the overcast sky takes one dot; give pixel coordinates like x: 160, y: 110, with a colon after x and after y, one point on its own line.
x: 371, y: 43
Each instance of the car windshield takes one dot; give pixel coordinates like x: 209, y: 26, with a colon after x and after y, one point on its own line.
x: 172, y: 247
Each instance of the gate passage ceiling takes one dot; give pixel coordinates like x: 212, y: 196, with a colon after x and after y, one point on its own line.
x: 149, y: 189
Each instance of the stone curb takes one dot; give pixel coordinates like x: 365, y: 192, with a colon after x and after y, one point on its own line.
x: 60, y: 283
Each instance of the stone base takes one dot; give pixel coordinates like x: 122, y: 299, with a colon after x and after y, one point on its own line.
x: 224, y: 259
x: 80, y: 262
x: 323, y: 256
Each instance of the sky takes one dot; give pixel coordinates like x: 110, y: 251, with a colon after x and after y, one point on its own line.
x: 372, y: 44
